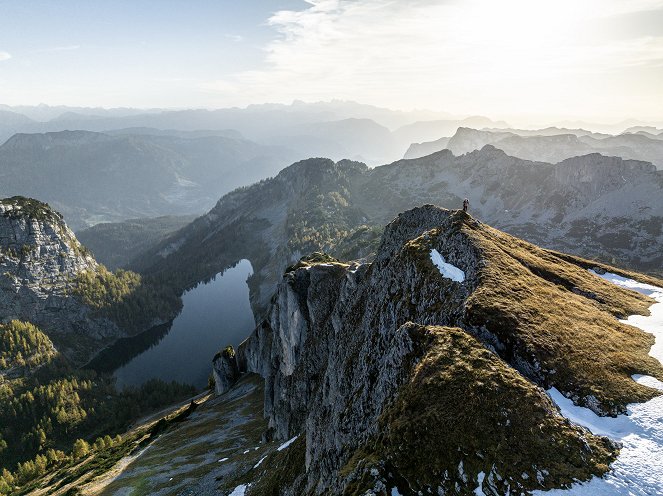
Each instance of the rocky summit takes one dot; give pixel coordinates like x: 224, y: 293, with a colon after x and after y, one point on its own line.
x: 423, y: 372
x: 40, y: 259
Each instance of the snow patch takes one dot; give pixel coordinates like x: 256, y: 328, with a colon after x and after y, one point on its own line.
x: 223, y: 460
x: 479, y: 490
x: 287, y: 443
x: 446, y: 269
x: 653, y: 323
x: 640, y: 287
x: 259, y: 462
x: 239, y: 490
x: 394, y: 492
x: 638, y: 470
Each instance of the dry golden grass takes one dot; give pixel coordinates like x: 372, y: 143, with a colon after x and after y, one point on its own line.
x: 548, y: 309
x: 465, y: 404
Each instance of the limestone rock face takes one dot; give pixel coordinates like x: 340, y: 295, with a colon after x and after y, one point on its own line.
x: 39, y: 257
x: 323, y: 314
x: 344, y: 343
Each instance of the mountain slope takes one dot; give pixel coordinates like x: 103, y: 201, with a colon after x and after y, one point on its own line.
x: 391, y: 374
x: 307, y: 206
x: 116, y: 244
x: 49, y: 279
x: 592, y: 206
x: 39, y: 260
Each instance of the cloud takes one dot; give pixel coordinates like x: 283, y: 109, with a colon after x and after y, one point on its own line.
x: 4, y: 56
x: 463, y: 56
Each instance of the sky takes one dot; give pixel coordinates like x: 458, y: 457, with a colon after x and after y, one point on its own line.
x: 536, y: 59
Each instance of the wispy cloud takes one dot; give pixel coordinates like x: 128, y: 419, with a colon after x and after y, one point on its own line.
x: 4, y: 56
x: 469, y: 55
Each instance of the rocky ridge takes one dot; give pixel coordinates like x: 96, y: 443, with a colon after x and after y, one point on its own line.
x: 546, y: 145
x: 391, y: 375
x: 592, y: 206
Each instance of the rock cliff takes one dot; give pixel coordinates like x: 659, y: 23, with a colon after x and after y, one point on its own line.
x: 39, y: 259
x: 393, y: 375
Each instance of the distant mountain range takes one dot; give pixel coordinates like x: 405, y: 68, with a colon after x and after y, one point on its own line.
x: 337, y: 129
x: 334, y: 129
x: 550, y: 145
x: 93, y: 177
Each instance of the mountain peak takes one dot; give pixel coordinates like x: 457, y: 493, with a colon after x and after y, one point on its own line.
x: 372, y: 362
x: 40, y: 263
x: 414, y: 222
x: 29, y: 208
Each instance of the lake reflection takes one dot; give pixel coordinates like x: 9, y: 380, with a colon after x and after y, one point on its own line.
x: 214, y: 315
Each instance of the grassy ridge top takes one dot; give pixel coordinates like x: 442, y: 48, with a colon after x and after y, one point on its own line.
x: 549, y: 311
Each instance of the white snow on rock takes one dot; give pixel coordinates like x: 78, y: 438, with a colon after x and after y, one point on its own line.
x: 259, y: 462
x: 654, y: 322
x: 239, y: 490
x: 394, y: 492
x: 638, y: 470
x: 287, y: 443
x: 479, y: 490
x: 640, y: 287
x: 446, y: 269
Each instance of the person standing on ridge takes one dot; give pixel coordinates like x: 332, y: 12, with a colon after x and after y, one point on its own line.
x: 466, y: 204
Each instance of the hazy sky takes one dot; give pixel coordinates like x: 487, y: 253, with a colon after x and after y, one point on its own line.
x: 592, y: 59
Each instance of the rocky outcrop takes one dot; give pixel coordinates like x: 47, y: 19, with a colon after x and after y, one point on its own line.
x: 224, y: 370
x: 39, y: 259
x: 398, y: 376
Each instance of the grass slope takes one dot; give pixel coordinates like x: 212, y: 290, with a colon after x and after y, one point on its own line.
x: 547, y: 309
x: 465, y: 407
